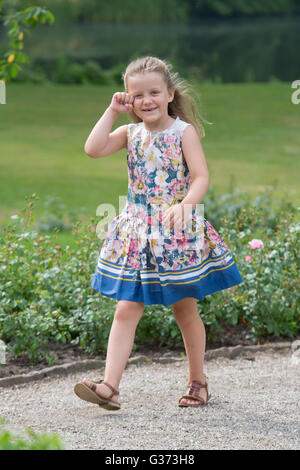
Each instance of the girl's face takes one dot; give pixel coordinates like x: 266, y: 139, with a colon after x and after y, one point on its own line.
x: 151, y: 96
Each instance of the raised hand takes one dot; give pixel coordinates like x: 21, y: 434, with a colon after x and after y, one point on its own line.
x: 122, y: 102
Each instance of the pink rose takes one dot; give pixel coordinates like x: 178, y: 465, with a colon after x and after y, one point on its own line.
x: 57, y: 247
x: 247, y: 258
x: 80, y: 297
x: 256, y: 244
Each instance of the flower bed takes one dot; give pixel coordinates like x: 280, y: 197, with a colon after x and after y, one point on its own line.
x: 46, y: 293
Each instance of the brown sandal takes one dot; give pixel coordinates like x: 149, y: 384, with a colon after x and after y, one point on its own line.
x: 89, y: 394
x: 193, y: 394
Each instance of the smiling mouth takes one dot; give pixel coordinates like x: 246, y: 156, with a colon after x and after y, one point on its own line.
x: 149, y: 110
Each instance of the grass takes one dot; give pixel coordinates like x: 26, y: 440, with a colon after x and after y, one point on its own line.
x: 255, y: 137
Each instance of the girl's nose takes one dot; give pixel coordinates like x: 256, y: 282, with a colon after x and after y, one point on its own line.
x: 147, y: 99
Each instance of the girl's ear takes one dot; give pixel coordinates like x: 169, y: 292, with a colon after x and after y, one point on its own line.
x: 171, y: 94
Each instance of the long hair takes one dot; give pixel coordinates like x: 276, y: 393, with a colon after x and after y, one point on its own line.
x: 183, y: 104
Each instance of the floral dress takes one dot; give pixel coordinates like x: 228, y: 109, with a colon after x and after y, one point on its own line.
x: 141, y: 259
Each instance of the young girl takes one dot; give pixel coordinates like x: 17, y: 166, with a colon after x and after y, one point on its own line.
x: 145, y: 258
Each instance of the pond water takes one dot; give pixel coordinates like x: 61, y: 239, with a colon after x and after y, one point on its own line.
x: 239, y: 50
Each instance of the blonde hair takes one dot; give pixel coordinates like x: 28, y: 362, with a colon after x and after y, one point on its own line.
x: 183, y: 104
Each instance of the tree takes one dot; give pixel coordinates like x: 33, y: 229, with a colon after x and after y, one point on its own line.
x: 16, y: 24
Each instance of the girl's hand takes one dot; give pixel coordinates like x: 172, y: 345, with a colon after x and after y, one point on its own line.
x: 122, y: 102
x: 176, y: 216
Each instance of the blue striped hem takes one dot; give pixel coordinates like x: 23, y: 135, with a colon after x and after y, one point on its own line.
x: 165, y: 287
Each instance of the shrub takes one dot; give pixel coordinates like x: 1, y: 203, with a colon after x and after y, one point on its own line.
x: 115, y: 74
x: 94, y: 73
x: 46, y: 290
x: 267, y: 303
x: 67, y: 71
x: 57, y: 216
x: 31, y: 75
x: 44, y: 441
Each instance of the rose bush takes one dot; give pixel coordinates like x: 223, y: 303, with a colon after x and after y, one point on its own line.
x: 46, y: 293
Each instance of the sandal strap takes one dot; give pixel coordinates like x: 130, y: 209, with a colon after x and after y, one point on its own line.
x: 193, y: 397
x: 195, y: 387
x: 114, y: 391
x: 196, y: 384
x: 193, y: 391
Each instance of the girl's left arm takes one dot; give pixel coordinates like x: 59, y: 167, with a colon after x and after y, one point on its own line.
x: 195, y: 159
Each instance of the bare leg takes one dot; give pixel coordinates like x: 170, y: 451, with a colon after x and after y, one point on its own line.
x: 120, y: 342
x: 194, y: 338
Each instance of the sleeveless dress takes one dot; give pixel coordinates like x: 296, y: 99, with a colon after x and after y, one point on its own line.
x: 140, y: 259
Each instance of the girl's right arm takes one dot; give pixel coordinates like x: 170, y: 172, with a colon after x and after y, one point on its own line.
x: 101, y: 142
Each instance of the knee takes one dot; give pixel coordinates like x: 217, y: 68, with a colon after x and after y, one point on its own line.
x: 128, y: 311
x: 184, y: 316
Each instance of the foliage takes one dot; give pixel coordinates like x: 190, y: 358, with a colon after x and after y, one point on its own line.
x: 197, y: 50
x: 57, y: 217
x: 262, y: 211
x: 267, y: 302
x: 243, y: 7
x: 116, y: 11
x: 17, y: 23
x: 67, y: 71
x: 200, y: 52
x: 47, y: 296
x: 163, y: 11
x: 45, y: 441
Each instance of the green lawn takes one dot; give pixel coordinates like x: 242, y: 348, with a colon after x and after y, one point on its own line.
x: 255, y: 137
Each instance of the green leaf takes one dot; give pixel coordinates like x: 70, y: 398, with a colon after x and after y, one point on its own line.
x: 28, y: 13
x: 50, y: 16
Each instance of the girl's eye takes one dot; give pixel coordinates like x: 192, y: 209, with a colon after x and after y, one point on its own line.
x: 138, y: 96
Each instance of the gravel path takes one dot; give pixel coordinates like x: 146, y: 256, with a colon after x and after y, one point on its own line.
x: 254, y: 405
